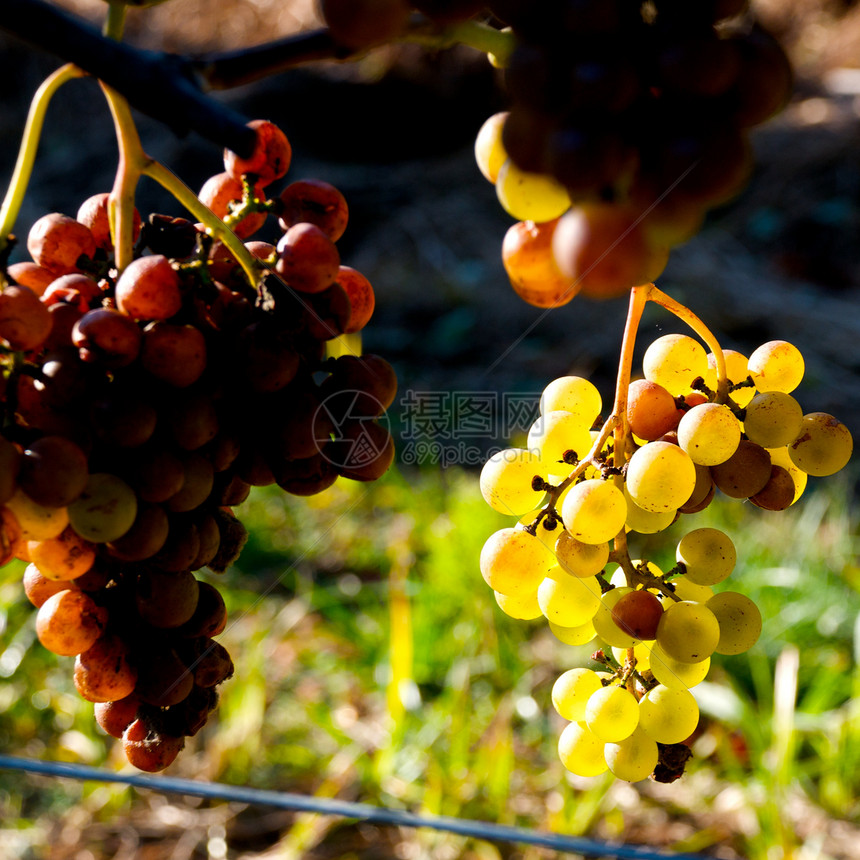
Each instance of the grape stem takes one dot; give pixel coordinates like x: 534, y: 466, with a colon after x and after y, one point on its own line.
x: 29, y: 144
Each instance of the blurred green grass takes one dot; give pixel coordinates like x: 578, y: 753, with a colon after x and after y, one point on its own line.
x: 372, y: 663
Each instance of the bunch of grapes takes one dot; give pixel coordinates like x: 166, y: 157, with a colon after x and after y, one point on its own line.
x: 140, y: 406
x: 578, y: 492
x: 629, y: 121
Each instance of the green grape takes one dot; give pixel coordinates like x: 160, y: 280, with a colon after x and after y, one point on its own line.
x: 506, y: 481
x: 709, y: 433
x: 773, y: 419
x: 688, y: 631
x: 578, y: 558
x: 660, y: 477
x: 776, y: 366
x: 594, y: 511
x: 632, y: 759
x: 646, y: 522
x: 571, y: 691
x: 490, y: 154
x: 514, y: 562
x: 674, y: 361
x: 739, y: 619
x: 581, y: 751
x: 675, y: 674
x: 530, y: 196
x: 708, y: 555
x: 612, y: 713
x: 736, y: 370
x: 668, y: 716
x: 604, y: 624
x: 566, y: 600
x: 782, y: 457
x: 572, y: 394
x: 823, y: 446
x: 523, y: 607
x: 105, y: 510
x: 558, y: 431
x: 579, y: 635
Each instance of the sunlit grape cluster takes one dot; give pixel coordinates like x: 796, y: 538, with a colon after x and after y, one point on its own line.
x: 628, y: 122
x: 581, y: 487
x: 140, y: 406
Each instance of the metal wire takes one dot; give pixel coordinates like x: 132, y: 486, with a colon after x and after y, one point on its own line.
x: 345, y: 809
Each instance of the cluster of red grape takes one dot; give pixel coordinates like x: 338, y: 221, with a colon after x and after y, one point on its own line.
x: 629, y: 120
x: 140, y: 406
x: 579, y: 491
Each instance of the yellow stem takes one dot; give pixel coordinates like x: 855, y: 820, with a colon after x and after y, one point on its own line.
x: 686, y: 315
x: 132, y: 162
x: 252, y: 267
x: 29, y: 144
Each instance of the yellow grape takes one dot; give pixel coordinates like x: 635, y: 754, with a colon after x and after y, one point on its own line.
x: 660, y: 477
x: 688, y: 631
x: 686, y: 590
x: 581, y: 751
x: 739, y: 619
x: 572, y: 394
x: 605, y: 626
x: 571, y: 691
x: 709, y: 433
x: 578, y: 558
x: 773, y: 419
x: 530, y: 196
x: 579, y: 635
x: 668, y: 716
x: 489, y: 152
x: 612, y: 713
x: 546, y: 536
x: 37, y: 522
x: 776, y: 366
x: 594, y: 511
x: 566, y: 600
x: 781, y: 457
x: 675, y: 674
x: 736, y: 370
x: 514, y: 562
x: 708, y: 555
x: 674, y: 361
x: 646, y: 522
x: 823, y: 446
x: 523, y: 607
x: 634, y: 758
x: 558, y: 431
x: 506, y: 481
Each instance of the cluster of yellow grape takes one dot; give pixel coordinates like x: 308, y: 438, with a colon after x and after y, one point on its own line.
x: 694, y: 424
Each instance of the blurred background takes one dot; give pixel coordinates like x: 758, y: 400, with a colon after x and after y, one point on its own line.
x: 372, y: 663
